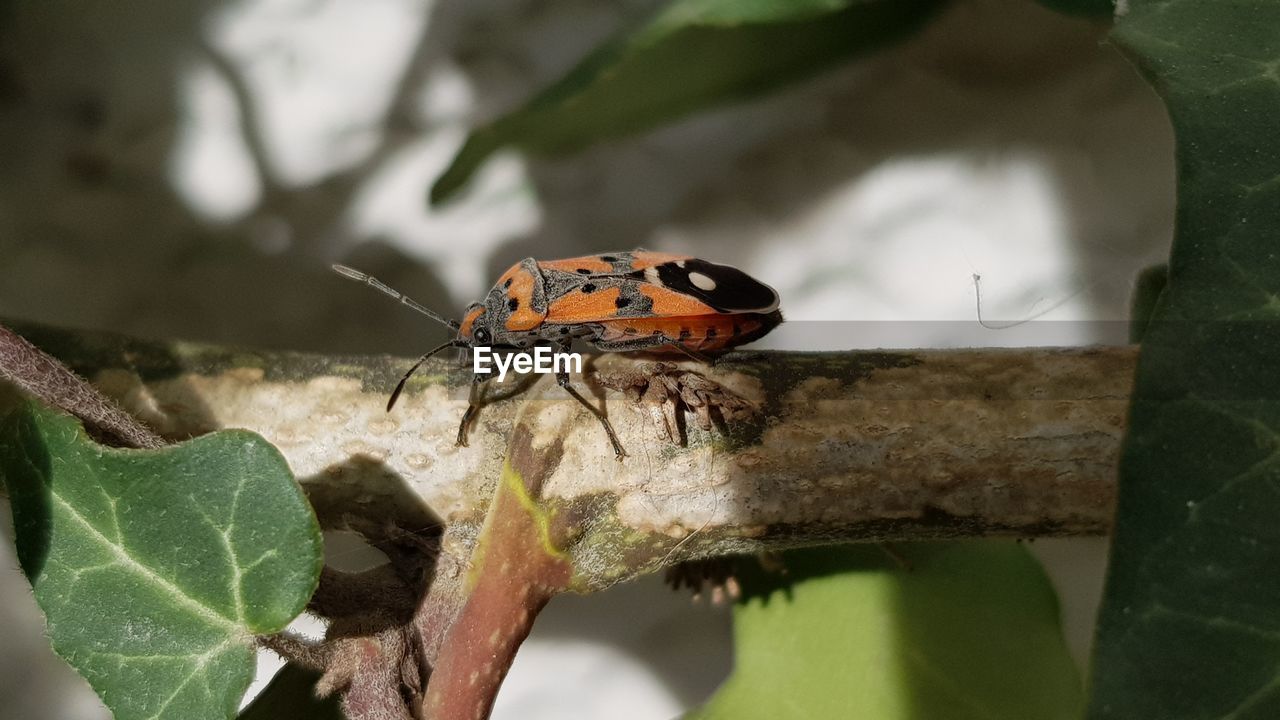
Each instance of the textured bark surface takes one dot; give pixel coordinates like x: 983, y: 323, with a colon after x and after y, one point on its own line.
x: 845, y: 446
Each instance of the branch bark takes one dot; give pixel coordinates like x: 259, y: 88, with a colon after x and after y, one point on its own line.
x: 42, y: 376
x: 884, y: 445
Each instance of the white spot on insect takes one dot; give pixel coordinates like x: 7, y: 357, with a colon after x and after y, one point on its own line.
x: 651, y: 274
x: 702, y: 282
x: 680, y: 263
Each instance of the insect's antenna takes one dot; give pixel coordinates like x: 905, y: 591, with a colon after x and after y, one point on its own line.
x: 395, y: 394
x: 382, y: 287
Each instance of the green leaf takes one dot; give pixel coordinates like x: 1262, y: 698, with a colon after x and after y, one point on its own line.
x: 155, y: 568
x: 693, y: 54
x: 1082, y: 8
x: 1146, y: 293
x: 1190, y: 622
x: 291, y: 696
x: 967, y: 631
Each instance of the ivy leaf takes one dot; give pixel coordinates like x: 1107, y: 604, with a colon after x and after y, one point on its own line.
x: 691, y: 55
x: 965, y: 631
x: 1190, y: 622
x: 291, y: 695
x: 155, y: 568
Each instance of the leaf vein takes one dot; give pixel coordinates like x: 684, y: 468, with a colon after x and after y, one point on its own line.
x: 130, y: 562
x: 237, y: 583
x: 201, y: 662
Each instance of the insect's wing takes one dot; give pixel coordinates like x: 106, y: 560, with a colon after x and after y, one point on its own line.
x: 597, y: 298
x: 724, y: 288
x: 610, y: 263
x: 641, y: 259
x: 641, y: 283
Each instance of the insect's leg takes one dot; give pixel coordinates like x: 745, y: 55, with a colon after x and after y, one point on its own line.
x: 700, y: 357
x: 706, y: 337
x: 473, y: 406
x: 562, y: 377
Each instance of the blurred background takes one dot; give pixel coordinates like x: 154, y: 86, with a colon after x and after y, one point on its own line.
x: 190, y: 168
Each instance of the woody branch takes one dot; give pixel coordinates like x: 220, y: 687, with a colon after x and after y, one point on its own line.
x: 845, y: 446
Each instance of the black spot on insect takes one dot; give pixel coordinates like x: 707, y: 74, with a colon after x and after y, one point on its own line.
x: 583, y: 271
x: 564, y: 331
x: 588, y: 288
x: 711, y: 332
x: 731, y: 290
x: 629, y: 331
x: 685, y: 333
x: 621, y: 302
x: 513, y: 304
x: 608, y: 258
x: 507, y: 284
x: 736, y: 330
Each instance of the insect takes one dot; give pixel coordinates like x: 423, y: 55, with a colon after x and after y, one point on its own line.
x: 615, y: 302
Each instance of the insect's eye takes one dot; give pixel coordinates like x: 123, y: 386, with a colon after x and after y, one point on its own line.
x: 482, y: 336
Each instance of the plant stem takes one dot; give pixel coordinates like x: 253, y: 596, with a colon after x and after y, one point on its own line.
x: 848, y: 446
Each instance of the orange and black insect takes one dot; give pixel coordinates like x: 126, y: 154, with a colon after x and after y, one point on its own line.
x: 616, y: 302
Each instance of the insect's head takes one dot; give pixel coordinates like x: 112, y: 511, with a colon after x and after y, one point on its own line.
x: 474, y: 329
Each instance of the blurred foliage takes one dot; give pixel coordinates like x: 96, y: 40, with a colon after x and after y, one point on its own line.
x: 963, y: 631
x: 1084, y: 8
x: 692, y: 55
x: 155, y: 568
